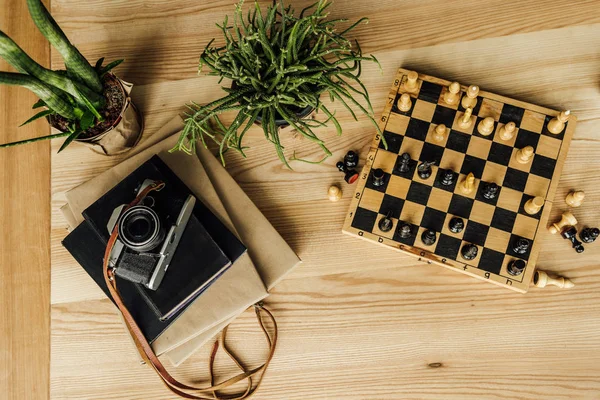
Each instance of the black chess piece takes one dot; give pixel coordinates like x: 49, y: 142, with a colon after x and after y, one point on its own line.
x: 516, y: 267
x: 469, y: 251
x: 428, y: 237
x: 351, y: 159
x: 378, y: 177
x: 521, y: 245
x: 404, y: 230
x: 385, y: 223
x: 456, y: 225
x: 404, y: 163
x: 350, y: 174
x: 424, y: 169
x: 569, y: 233
x: 490, y: 190
x: 588, y: 235
x: 448, y: 178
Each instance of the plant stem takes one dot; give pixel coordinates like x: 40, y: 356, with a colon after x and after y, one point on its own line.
x: 56, y: 135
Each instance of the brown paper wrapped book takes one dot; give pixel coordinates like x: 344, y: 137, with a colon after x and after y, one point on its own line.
x: 268, y: 260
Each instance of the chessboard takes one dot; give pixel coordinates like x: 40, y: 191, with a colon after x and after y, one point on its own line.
x: 491, y: 224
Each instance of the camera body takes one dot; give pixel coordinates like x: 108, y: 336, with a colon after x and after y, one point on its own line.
x: 148, y: 235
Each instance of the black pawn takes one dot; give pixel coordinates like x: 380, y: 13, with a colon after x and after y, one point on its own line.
x: 428, y: 237
x: 378, y: 177
x: 456, y: 225
x: 447, y: 178
x: 469, y: 251
x: 588, y: 235
x: 404, y: 163
x: 516, y: 267
x: 520, y: 246
x: 569, y: 234
x: 351, y: 159
x: 490, y: 190
x: 385, y: 223
x: 350, y: 175
x: 404, y: 230
x: 424, y: 169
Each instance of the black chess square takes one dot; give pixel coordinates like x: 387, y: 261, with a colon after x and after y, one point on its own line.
x: 500, y: 154
x: 364, y: 219
x: 447, y: 247
x: 391, y: 204
x: 474, y: 165
x: 430, y: 92
x: 382, y: 188
x: 515, y: 179
x: 433, y: 219
x: 503, y: 219
x: 513, y: 240
x: 418, y: 193
x: 458, y: 141
x: 511, y: 114
x: 438, y: 180
x: 479, y: 195
x: 476, y: 233
x: 491, y: 261
x: 393, y: 140
x: 443, y: 115
x: 397, y: 110
x: 524, y: 200
x: 546, y: 132
x: 431, y: 152
x: 476, y: 131
x: 417, y: 129
x: 412, y: 165
x: 460, y: 206
x: 526, y: 138
x: 414, y: 229
x: 543, y: 166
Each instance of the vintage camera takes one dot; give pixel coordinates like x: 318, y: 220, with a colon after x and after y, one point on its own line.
x: 148, y: 236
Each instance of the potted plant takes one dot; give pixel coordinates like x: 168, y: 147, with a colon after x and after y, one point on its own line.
x: 85, y: 103
x: 280, y: 64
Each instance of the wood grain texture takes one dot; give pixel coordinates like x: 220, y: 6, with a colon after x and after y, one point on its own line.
x: 356, y: 321
x: 25, y: 235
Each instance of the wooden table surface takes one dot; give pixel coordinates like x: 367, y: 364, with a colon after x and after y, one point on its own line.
x: 356, y: 321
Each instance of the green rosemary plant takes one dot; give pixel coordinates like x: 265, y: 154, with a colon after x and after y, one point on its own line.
x: 75, y: 94
x: 280, y: 64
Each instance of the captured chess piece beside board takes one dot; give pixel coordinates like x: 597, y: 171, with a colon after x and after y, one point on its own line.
x: 466, y: 181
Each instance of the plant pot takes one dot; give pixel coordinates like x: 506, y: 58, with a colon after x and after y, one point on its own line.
x: 122, y: 133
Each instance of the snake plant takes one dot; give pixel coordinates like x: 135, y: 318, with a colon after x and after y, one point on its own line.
x: 280, y: 63
x: 75, y: 94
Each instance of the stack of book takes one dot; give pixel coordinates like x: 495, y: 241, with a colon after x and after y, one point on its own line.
x: 229, y: 256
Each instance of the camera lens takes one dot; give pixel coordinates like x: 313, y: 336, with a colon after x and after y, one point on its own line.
x: 140, y: 229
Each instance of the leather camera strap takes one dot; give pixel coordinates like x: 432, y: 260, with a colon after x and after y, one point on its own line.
x: 201, y: 393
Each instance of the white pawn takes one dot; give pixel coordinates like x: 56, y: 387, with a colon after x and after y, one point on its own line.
x: 470, y: 98
x: 524, y: 155
x: 404, y: 102
x: 451, y: 96
x: 334, y: 193
x: 439, y: 133
x: 486, y: 126
x: 557, y: 124
x: 507, y: 131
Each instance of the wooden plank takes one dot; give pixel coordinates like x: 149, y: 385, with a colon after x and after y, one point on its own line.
x: 25, y: 235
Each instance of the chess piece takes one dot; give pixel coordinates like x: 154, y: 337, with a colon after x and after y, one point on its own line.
x: 404, y: 102
x: 351, y: 159
x: 575, y: 198
x: 424, y: 169
x: 447, y: 177
x: 507, y: 131
x: 452, y: 95
x: 557, y: 124
x: 404, y: 166
x: 465, y: 121
x: 534, y: 205
x: 516, y: 267
x: 350, y: 175
x: 456, y: 225
x: 428, y: 237
x: 469, y: 251
x: 469, y: 100
x: 569, y: 234
x: 567, y: 219
x: 588, y: 235
x: 524, y: 155
x: 334, y: 193
x: 386, y: 223
x: 486, y: 126
x: 439, y: 133
x: 378, y: 177
x: 490, y: 190
x: 468, y: 184
x: 411, y: 81
x: 404, y: 230
x: 520, y: 246
x: 542, y: 279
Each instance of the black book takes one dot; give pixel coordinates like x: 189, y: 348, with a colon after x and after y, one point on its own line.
x: 193, y: 268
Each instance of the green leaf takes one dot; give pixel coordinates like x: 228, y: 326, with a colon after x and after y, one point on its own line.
x: 69, y: 139
x: 38, y: 104
x: 87, y: 120
x: 98, y: 65
x: 90, y: 107
x: 110, y: 66
x: 37, y: 116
